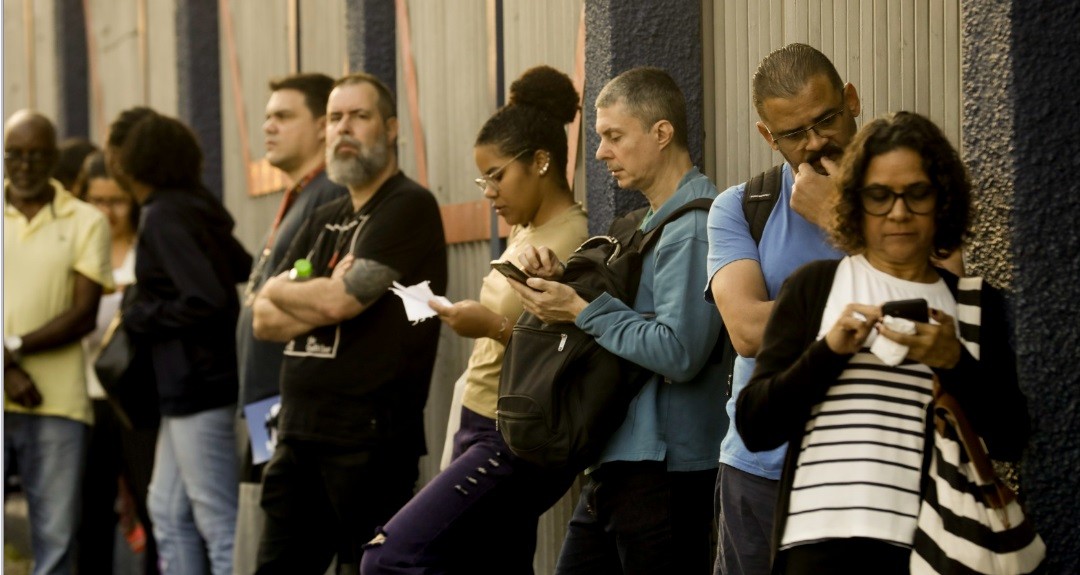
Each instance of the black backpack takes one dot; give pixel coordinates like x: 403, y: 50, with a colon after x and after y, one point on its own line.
x: 762, y: 192
x: 562, y: 395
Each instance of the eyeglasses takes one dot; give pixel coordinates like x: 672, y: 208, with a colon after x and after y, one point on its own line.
x: 879, y: 200
x: 483, y: 182
x: 825, y: 128
x: 31, y: 157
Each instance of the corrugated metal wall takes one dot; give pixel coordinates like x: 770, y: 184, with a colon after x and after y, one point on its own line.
x: 899, y: 54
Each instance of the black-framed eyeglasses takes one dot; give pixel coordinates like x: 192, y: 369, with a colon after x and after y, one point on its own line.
x: 486, y: 180
x: 31, y: 157
x: 826, y: 127
x: 879, y: 200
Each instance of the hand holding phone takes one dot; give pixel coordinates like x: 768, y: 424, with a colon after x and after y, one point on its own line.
x: 509, y: 270
x: 912, y: 309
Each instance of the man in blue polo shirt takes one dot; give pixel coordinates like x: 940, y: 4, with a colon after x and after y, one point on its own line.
x: 808, y: 115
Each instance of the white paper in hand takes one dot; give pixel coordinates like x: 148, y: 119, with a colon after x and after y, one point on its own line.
x: 890, y: 352
x: 416, y: 298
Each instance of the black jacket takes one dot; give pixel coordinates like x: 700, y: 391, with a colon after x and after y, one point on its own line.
x: 187, y: 265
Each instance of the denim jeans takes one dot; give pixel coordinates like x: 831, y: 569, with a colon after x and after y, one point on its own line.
x: 193, y: 492
x: 637, y: 518
x: 744, y: 505
x: 478, y: 516
x: 49, y: 453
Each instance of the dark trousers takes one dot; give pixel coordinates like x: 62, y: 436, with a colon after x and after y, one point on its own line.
x: 478, y: 516
x: 637, y: 518
x: 321, y: 500
x: 113, y: 452
x: 855, y: 556
x: 744, y: 506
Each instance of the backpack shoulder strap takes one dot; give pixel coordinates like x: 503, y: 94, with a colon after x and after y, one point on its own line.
x: 762, y: 192
x: 697, y: 204
x: 624, y: 227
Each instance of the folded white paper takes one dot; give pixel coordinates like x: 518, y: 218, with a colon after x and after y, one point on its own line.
x: 416, y: 298
x: 887, y: 350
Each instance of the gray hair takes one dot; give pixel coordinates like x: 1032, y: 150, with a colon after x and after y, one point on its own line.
x: 650, y: 95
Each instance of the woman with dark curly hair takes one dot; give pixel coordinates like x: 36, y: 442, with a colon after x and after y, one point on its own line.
x: 855, y: 409
x: 480, y: 514
x: 185, y: 306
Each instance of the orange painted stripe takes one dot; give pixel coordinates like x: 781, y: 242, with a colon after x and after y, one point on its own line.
x: 96, y: 90
x: 412, y: 91
x: 239, y: 109
x: 579, y: 85
x: 469, y: 222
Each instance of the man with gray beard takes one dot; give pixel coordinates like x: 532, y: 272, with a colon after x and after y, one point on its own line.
x: 355, y: 373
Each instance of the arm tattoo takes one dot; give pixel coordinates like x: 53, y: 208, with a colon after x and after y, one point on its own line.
x: 367, y: 279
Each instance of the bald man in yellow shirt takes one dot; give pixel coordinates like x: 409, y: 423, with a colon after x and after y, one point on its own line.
x: 56, y: 266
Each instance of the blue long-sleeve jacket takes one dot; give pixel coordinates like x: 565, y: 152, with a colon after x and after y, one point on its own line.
x: 678, y: 417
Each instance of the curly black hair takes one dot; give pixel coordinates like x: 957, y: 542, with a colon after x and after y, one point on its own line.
x: 156, y: 150
x: 542, y: 101
x: 940, y: 160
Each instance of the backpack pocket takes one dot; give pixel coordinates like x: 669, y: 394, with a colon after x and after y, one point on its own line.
x: 529, y: 412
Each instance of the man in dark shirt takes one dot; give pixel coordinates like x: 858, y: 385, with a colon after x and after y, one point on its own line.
x: 356, y: 373
x: 295, y: 138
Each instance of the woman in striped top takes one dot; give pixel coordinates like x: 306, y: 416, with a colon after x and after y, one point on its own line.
x: 849, y: 494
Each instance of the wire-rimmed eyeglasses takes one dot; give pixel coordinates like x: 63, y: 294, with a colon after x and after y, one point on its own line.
x: 824, y: 128
x: 490, y: 179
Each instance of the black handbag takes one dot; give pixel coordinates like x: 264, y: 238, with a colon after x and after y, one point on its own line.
x: 127, y: 375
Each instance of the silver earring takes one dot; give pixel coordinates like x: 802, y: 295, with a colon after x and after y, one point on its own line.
x: 543, y: 170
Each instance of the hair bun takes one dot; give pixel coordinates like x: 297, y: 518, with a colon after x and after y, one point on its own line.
x: 548, y: 89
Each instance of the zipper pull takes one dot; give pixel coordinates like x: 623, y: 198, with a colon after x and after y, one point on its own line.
x: 562, y: 342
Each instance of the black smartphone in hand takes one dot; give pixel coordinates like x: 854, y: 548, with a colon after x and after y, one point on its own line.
x: 509, y: 270
x: 912, y: 309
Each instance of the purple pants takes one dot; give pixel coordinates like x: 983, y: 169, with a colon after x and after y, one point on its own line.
x: 478, y: 516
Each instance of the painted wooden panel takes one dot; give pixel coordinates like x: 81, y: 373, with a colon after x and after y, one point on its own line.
x: 545, y: 33
x: 899, y: 54
x: 30, y: 65
x: 161, y: 49
x: 260, y: 33
x: 322, y: 37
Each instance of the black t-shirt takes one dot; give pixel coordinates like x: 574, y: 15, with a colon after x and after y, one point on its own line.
x: 366, y: 380
x: 259, y: 362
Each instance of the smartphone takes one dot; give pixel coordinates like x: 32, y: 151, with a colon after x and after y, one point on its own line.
x: 913, y: 309
x: 509, y: 270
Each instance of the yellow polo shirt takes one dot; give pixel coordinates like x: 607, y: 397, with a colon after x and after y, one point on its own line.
x: 563, y: 234
x: 41, y: 258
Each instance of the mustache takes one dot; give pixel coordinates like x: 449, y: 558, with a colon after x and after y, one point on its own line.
x: 830, y: 150
x: 348, y: 140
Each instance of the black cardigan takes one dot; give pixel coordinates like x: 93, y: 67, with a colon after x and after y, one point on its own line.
x: 794, y: 369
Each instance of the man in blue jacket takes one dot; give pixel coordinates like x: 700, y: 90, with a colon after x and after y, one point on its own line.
x: 647, y: 503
